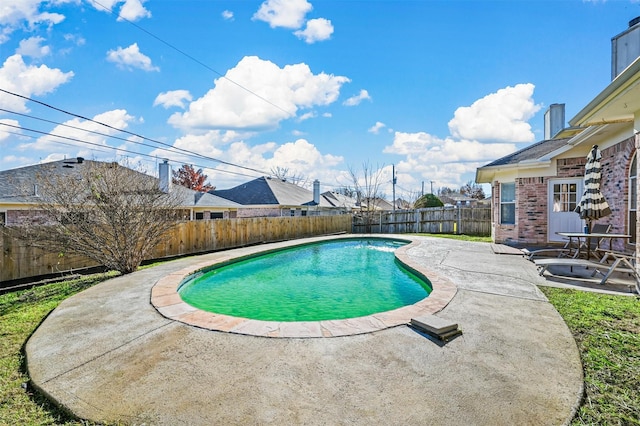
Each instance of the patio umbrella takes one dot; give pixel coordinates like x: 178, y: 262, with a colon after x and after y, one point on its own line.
x: 592, y: 205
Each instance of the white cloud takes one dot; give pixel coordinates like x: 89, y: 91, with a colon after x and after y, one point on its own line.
x: 302, y: 156
x: 17, y: 77
x: 171, y: 98
x: 130, y: 58
x: 317, y: 30
x: 376, y: 127
x: 356, y: 99
x: 227, y: 15
x: 306, y: 116
x: 75, y: 39
x: 10, y: 130
x: 271, y: 94
x: 15, y: 13
x: 71, y: 144
x: 490, y: 128
x: 283, y: 13
x: 500, y: 116
x: 133, y: 10
x: 33, y: 47
x: 432, y: 149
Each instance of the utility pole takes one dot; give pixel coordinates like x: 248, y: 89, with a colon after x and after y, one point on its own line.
x: 394, y: 180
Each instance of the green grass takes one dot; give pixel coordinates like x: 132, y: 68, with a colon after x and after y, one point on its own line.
x: 20, y: 314
x: 607, y: 331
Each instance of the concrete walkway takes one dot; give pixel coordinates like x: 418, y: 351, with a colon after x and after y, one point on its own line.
x: 106, y: 354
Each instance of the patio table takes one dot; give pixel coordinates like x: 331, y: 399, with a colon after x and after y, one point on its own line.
x: 582, y: 240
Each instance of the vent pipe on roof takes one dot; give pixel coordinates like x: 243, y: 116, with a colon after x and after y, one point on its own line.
x: 316, y: 192
x: 164, y: 173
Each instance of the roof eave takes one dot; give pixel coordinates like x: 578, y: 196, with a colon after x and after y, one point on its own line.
x: 593, y: 113
x: 486, y: 174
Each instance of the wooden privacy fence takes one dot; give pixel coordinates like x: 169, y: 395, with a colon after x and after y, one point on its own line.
x: 433, y: 220
x: 21, y: 262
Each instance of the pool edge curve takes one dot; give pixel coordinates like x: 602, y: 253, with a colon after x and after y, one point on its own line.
x: 166, y: 300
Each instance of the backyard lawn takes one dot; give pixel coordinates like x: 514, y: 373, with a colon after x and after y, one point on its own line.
x: 606, y: 329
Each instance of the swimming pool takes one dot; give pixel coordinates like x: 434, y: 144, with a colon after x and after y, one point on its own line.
x: 327, y: 280
x: 165, y: 299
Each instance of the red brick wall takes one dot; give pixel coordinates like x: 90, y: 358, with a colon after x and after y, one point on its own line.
x: 532, y: 197
x: 531, y: 209
x: 24, y: 217
x: 615, y: 186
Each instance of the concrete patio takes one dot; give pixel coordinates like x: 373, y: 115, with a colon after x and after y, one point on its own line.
x: 107, y: 354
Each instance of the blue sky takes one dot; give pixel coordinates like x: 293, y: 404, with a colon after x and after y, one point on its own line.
x: 436, y: 88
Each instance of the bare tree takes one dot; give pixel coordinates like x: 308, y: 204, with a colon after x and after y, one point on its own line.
x: 367, y: 189
x: 106, y: 212
x: 347, y: 191
x: 472, y: 190
x: 283, y: 173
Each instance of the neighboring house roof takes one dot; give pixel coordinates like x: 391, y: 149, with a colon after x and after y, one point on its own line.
x: 22, y: 185
x: 402, y: 204
x: 458, y: 197
x: 192, y: 198
x: 270, y: 191
x: 340, y: 200
x: 382, y: 204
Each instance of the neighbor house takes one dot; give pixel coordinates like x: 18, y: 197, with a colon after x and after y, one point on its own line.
x: 535, y: 190
x: 271, y: 197
x: 21, y: 192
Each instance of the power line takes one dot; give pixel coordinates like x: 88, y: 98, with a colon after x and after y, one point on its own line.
x: 192, y: 153
x: 166, y: 43
x: 102, y: 147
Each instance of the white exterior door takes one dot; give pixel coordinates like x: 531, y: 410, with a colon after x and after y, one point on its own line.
x: 564, y: 196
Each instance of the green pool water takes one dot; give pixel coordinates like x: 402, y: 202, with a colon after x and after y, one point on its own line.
x: 336, y: 279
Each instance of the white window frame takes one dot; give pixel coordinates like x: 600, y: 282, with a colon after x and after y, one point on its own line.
x: 505, y: 203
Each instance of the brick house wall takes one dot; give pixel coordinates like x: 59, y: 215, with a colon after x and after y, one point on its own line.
x: 532, y: 197
x: 26, y: 217
x: 616, y: 162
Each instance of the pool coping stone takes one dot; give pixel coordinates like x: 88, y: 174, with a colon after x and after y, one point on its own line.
x: 166, y: 300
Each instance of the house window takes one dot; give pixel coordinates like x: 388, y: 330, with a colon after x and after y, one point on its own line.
x: 304, y: 212
x: 633, y: 198
x: 565, y: 197
x: 508, y: 203
x: 3, y: 218
x: 217, y: 215
x: 199, y: 215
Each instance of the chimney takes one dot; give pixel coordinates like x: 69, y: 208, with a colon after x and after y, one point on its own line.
x: 625, y: 48
x: 164, y: 173
x: 316, y: 192
x: 553, y: 120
